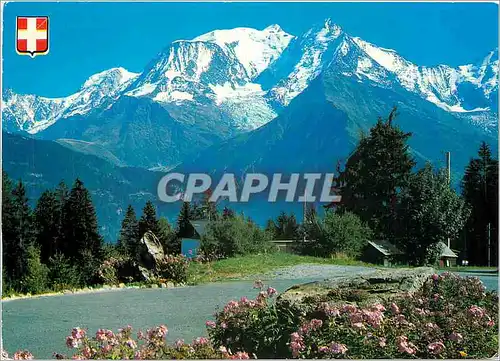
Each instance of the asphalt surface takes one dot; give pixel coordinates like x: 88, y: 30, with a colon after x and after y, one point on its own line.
x: 42, y: 324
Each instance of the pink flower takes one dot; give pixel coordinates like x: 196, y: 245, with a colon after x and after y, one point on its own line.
x: 349, y: 309
x: 210, y: 324
x: 435, y: 277
x: 296, y: 347
x: 223, y: 325
x: 455, y: 336
x: 72, y: 342
x: 78, y: 333
x: 419, y: 311
x: 394, y: 308
x: 223, y: 349
x: 378, y: 307
x: 338, y: 348
x: 381, y: 342
x: 295, y: 337
x: 131, y: 343
x: 490, y: 323
x: 323, y: 349
x: 240, y: 356
x: 179, y: 343
x: 358, y: 325
x: 87, y: 352
x: 23, y: 355
x: 200, y: 341
x: 404, y: 346
x: 476, y: 312
x: 435, y: 348
x: 271, y: 291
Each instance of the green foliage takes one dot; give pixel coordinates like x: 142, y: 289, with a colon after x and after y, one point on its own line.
x: 168, y: 237
x: 184, y: 227
x: 285, y: 227
x: 449, y: 317
x: 17, y: 231
x: 428, y: 212
x: 47, y: 223
x: 36, y: 278
x: 335, y: 234
x: 62, y: 274
x: 173, y: 268
x: 480, y: 190
x: 148, y: 221
x: 129, y: 233
x: 235, y: 236
x: 375, y: 172
x: 82, y: 242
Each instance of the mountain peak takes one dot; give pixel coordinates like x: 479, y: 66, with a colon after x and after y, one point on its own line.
x: 118, y: 75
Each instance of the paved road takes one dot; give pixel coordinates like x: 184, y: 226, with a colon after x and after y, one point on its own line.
x: 41, y: 325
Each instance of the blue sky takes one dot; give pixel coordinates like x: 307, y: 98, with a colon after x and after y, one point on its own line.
x: 86, y: 38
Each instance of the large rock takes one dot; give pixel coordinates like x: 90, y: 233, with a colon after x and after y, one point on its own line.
x: 151, y: 252
x: 368, y: 288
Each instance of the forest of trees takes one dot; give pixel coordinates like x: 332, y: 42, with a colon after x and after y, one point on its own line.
x: 57, y: 244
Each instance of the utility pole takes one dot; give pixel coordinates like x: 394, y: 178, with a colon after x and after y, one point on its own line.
x: 448, y: 174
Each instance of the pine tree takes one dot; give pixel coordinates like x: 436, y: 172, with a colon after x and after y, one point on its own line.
x: 375, y: 173
x: 82, y: 242
x: 480, y: 190
x: 168, y: 238
x: 184, y: 227
x: 129, y: 233
x: 148, y: 221
x: 62, y: 195
x: 9, y: 233
x: 47, y: 225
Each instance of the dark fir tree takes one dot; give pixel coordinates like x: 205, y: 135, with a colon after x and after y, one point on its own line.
x: 47, y: 225
x: 9, y: 233
x: 480, y: 190
x: 428, y: 212
x: 82, y: 241
x: 184, y: 227
x: 375, y: 173
x: 62, y: 195
x: 148, y: 221
x: 168, y: 238
x: 129, y: 233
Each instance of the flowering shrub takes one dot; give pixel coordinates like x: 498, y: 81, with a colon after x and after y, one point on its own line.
x: 174, y: 268
x: 108, y: 271
x: 149, y: 345
x: 257, y: 326
x: 449, y: 317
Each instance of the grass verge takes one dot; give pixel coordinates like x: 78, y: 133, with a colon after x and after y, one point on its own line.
x: 243, y: 267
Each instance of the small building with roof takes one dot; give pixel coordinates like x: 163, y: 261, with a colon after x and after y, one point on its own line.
x: 386, y: 254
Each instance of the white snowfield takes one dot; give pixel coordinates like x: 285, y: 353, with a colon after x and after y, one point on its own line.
x: 227, y: 67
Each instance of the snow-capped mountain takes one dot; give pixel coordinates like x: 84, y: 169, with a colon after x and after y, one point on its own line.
x: 33, y: 113
x: 245, y: 77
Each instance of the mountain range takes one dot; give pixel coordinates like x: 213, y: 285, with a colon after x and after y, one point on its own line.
x: 245, y: 100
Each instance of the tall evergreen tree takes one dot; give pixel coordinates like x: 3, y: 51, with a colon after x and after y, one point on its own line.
x: 480, y: 190
x: 17, y: 231
x: 129, y: 233
x: 148, y: 221
x: 47, y: 225
x: 81, y: 233
x: 184, y: 227
x: 62, y: 195
x: 375, y: 173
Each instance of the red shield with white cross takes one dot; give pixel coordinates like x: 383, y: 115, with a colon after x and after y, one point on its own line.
x: 32, y: 35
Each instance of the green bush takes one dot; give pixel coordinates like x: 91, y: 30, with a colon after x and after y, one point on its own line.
x: 235, y: 236
x: 449, y: 317
x: 62, y: 275
x: 37, y: 274
x: 335, y: 234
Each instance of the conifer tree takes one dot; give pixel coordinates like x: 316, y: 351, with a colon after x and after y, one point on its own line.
x: 148, y: 221
x: 184, y: 227
x: 480, y: 190
x: 129, y: 233
x: 9, y: 233
x: 47, y: 225
x: 81, y: 234
x: 375, y: 173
